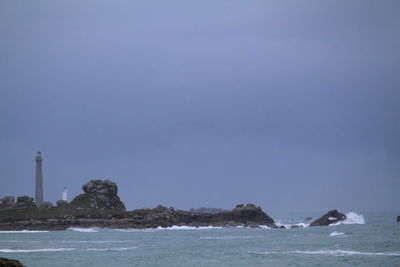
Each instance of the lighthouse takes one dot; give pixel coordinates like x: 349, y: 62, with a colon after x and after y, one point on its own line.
x: 39, y: 179
x: 64, y: 194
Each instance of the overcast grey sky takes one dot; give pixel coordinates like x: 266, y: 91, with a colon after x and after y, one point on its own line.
x: 292, y: 105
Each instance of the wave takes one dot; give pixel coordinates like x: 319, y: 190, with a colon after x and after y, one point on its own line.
x: 64, y: 249
x: 22, y: 231
x: 110, y: 249
x: 351, y: 218
x: 288, y: 226
x: 334, y: 233
x: 176, y: 227
x: 85, y: 230
x: 36, y: 250
x: 332, y: 252
x: 230, y: 237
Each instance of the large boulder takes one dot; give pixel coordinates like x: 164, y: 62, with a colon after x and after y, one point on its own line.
x: 99, y: 196
x: 101, y: 187
x: 398, y: 218
x: 331, y: 217
x: 7, y: 202
x: 24, y: 202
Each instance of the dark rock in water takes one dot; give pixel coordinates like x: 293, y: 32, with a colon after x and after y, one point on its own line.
x: 4, y: 262
x: 398, y: 218
x: 332, y: 216
x: 24, y: 202
x: 308, y: 219
x: 99, y: 195
x: 61, y: 203
x: 7, y: 202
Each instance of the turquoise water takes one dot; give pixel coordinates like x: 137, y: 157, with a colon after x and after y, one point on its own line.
x: 370, y: 241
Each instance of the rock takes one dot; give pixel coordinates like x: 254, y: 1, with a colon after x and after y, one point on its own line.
x: 249, y: 214
x: 206, y: 210
x: 332, y: 216
x: 308, y: 219
x: 398, y: 218
x: 4, y: 262
x: 46, y: 205
x: 101, y: 187
x: 24, y: 202
x: 7, y: 202
x: 99, y: 195
x: 61, y: 203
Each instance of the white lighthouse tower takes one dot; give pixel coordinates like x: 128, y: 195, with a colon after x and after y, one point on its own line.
x: 64, y: 194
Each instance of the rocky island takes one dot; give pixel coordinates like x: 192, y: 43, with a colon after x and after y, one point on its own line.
x: 100, y: 206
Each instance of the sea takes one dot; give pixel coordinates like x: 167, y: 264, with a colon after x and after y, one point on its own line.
x: 364, y: 239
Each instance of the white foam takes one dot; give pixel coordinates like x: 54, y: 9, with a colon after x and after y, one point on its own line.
x: 64, y: 249
x: 130, y: 230
x: 22, y: 231
x: 85, y: 230
x: 288, y: 226
x: 230, y: 237
x: 333, y: 252
x: 36, y: 250
x: 335, y: 233
x: 351, y: 218
x: 176, y: 227
x: 332, y: 219
x: 111, y: 249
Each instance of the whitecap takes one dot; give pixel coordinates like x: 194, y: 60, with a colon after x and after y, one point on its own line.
x: 288, y: 226
x: 332, y: 252
x: 85, y: 230
x: 176, y: 227
x: 230, y: 237
x: 351, y: 218
x: 35, y: 250
x: 335, y: 233
x: 22, y: 231
x: 111, y: 249
x: 65, y: 249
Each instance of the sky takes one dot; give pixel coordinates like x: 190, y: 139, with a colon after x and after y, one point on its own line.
x: 291, y: 105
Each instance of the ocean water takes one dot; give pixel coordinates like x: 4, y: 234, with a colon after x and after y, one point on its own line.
x: 370, y: 239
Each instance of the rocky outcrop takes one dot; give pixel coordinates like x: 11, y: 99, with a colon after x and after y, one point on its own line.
x: 207, y: 210
x: 4, y: 262
x: 331, y: 217
x: 398, y: 218
x: 308, y: 219
x: 24, y: 202
x: 7, y: 202
x: 99, y: 196
x: 45, y: 205
x: 61, y: 203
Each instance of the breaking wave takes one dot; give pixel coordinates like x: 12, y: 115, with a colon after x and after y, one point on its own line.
x: 64, y: 249
x: 22, y: 231
x: 230, y: 237
x: 288, y: 226
x: 36, y: 250
x: 351, y: 218
x: 85, y: 230
x: 175, y: 227
x: 334, y: 233
x: 333, y: 253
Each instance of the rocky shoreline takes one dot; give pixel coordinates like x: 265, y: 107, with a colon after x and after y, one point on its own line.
x: 100, y: 206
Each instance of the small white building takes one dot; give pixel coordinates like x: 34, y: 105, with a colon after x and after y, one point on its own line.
x: 64, y: 194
